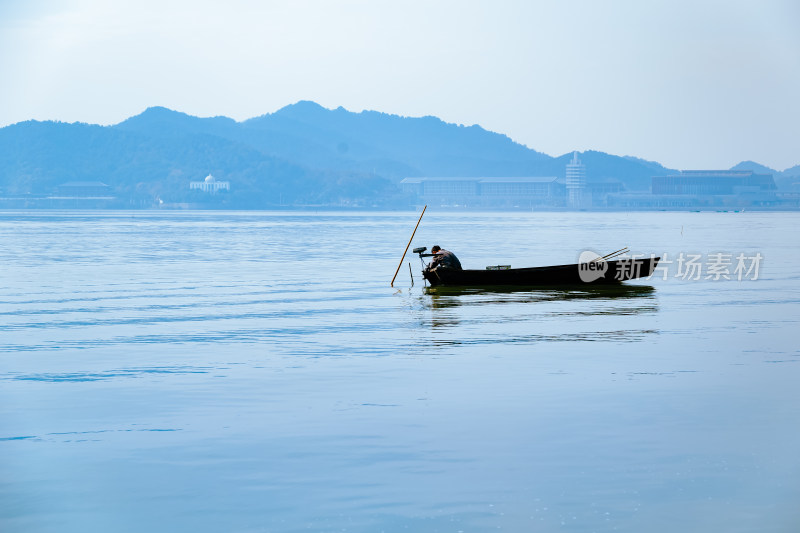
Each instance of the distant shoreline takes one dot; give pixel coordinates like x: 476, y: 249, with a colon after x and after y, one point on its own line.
x: 340, y: 209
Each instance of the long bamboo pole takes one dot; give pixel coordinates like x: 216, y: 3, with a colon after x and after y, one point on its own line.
x: 407, y: 245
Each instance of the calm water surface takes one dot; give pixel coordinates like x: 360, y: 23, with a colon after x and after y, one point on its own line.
x: 255, y: 372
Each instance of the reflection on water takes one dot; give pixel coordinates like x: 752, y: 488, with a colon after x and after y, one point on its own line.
x: 450, y: 296
x: 525, y: 315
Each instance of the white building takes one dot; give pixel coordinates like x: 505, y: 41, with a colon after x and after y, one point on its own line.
x: 210, y: 185
x: 576, y: 183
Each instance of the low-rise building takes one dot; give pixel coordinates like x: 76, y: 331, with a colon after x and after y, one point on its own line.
x: 487, y: 191
x: 713, y: 182
x: 701, y: 189
x: 83, y: 189
x: 599, y: 191
x: 210, y: 185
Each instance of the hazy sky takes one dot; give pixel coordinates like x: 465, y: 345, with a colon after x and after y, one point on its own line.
x: 691, y: 84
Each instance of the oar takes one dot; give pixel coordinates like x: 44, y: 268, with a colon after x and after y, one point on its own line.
x: 612, y: 254
x: 620, y: 251
x: 407, y: 245
x: 617, y: 253
x: 603, y: 258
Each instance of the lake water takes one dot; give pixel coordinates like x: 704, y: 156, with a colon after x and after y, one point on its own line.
x: 238, y: 372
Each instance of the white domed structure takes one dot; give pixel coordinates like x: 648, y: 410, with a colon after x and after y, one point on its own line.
x: 210, y: 185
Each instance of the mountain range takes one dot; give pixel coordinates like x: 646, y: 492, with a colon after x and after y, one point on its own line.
x: 303, y: 154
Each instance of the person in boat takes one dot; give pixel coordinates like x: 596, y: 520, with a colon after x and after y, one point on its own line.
x: 444, y: 259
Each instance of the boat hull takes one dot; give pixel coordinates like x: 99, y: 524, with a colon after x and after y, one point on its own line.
x: 578, y: 274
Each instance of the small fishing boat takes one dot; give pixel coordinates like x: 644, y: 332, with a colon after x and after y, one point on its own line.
x: 591, y: 272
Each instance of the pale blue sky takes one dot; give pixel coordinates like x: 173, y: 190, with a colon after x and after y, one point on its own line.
x: 691, y: 84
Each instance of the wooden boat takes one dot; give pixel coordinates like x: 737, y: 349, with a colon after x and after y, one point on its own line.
x: 604, y: 272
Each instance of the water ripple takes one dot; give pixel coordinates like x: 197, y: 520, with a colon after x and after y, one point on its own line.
x: 105, y: 375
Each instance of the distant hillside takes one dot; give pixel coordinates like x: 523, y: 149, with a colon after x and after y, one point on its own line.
x: 787, y: 180
x: 36, y: 157
x: 302, y: 154
x: 755, y: 167
x: 399, y: 147
x: 338, y: 140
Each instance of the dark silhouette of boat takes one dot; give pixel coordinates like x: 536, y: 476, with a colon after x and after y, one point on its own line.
x: 589, y: 273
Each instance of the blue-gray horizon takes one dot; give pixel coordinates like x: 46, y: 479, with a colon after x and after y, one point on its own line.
x: 686, y: 84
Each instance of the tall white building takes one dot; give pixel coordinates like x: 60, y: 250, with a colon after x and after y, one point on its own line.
x: 577, y: 197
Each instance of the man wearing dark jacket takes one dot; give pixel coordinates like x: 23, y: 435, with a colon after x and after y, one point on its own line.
x: 444, y: 259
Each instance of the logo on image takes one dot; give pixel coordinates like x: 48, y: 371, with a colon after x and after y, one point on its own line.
x: 591, y: 266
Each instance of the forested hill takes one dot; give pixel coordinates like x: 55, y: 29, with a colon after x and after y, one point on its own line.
x: 377, y: 143
x: 301, y: 154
